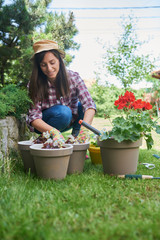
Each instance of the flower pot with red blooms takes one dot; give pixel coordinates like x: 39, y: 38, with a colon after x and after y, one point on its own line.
x: 51, y: 159
x: 27, y: 159
x: 77, y: 159
x: 127, y: 132
x: 119, y: 158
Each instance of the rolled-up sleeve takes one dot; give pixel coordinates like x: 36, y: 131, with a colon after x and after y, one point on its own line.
x: 35, y: 112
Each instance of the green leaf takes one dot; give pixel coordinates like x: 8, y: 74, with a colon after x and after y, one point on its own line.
x: 157, y: 129
x: 149, y: 141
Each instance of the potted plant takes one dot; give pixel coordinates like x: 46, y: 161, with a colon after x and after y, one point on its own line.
x: 51, y: 158
x: 77, y: 159
x: 27, y: 158
x: 94, y: 150
x: 120, y: 146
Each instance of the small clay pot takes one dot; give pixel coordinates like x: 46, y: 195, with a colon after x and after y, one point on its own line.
x: 51, y: 163
x: 77, y: 159
x: 28, y: 162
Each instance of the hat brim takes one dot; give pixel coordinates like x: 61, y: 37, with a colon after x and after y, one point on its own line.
x: 62, y: 53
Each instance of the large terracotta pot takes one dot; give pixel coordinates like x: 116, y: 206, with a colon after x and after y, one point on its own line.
x: 51, y: 163
x: 27, y: 159
x: 77, y: 159
x: 95, y: 154
x: 119, y: 158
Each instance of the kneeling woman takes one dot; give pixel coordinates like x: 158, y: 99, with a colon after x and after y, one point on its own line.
x: 60, y: 97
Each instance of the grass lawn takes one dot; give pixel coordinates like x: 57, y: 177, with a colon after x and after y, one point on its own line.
x: 88, y: 206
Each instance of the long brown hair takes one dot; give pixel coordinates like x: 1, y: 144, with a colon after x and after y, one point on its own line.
x: 38, y: 86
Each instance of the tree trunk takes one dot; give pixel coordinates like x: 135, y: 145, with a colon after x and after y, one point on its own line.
x: 2, y: 76
x: 2, y: 72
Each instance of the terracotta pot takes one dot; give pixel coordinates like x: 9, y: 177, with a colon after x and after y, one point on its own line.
x: 119, y: 158
x: 77, y: 159
x: 28, y: 162
x: 95, y: 154
x: 51, y: 163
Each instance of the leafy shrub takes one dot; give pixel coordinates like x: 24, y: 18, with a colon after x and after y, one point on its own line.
x: 104, y: 97
x: 13, y: 101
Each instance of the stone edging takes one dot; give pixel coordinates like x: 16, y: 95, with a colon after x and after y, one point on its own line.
x: 11, y: 131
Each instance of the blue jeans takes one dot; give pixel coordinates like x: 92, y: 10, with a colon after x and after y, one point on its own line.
x: 60, y: 116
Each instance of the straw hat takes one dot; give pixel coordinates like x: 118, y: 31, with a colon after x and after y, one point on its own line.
x: 45, y: 45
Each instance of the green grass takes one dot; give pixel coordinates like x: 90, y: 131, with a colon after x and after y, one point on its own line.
x: 89, y: 206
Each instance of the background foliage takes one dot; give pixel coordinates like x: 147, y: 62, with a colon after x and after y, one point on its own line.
x: 105, y: 96
x: 13, y: 101
x: 124, y: 60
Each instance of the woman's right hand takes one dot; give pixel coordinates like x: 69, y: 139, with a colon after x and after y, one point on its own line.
x: 56, y: 134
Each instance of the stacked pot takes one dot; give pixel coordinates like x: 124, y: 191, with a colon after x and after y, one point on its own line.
x: 53, y: 163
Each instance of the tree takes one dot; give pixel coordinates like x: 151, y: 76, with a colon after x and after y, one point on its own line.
x: 17, y: 22
x: 124, y: 62
x: 62, y: 29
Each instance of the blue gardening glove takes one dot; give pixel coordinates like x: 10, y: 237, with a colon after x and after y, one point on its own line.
x: 56, y: 135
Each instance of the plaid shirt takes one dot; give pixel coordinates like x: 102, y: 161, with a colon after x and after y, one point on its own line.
x: 78, y: 92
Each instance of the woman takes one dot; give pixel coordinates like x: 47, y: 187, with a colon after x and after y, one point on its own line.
x: 60, y: 97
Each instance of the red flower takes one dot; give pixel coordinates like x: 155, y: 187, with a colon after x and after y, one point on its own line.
x: 125, y: 101
x: 128, y: 101
x: 129, y: 96
x: 138, y: 104
x: 148, y: 106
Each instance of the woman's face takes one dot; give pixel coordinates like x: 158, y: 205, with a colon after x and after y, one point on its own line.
x: 50, y: 66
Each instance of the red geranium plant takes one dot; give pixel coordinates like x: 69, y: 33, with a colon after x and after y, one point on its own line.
x: 136, y: 121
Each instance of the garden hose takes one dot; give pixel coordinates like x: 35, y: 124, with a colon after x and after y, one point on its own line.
x: 137, y: 176
x: 81, y: 122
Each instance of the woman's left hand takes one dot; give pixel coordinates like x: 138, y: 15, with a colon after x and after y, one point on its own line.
x: 83, y: 135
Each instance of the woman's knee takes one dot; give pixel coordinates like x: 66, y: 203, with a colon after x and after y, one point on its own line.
x: 65, y: 114
x: 58, y: 116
